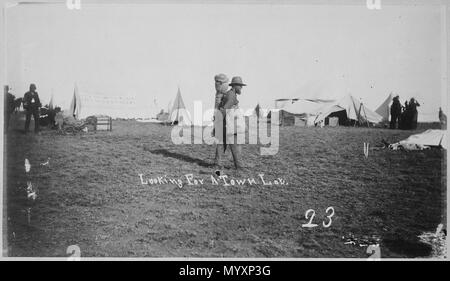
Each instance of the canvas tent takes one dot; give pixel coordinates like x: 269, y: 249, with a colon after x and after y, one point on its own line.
x: 179, y: 114
x: 85, y: 104
x: 427, y: 138
x: 349, y: 108
x: 307, y: 107
x: 301, y: 112
x: 50, y: 103
x: 384, y: 109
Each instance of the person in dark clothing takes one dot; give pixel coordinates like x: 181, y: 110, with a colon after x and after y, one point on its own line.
x: 9, y: 106
x: 405, y: 117
x: 396, y: 111
x: 32, y: 104
x: 413, y: 104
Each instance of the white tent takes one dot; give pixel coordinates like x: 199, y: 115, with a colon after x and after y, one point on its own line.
x: 306, y: 107
x: 179, y: 114
x: 354, y: 109
x: 302, y: 112
x: 50, y: 103
x: 86, y: 104
x: 427, y: 138
x: 384, y: 109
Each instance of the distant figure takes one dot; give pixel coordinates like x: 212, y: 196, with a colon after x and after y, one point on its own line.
x: 9, y: 106
x: 442, y: 119
x: 17, y: 105
x: 413, y: 104
x: 403, y: 122
x: 32, y: 104
x: 396, y: 111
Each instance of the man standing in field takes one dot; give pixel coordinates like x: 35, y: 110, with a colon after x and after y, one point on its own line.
x: 230, y: 101
x: 31, y: 104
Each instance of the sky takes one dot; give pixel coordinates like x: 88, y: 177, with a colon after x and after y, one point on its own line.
x: 147, y: 51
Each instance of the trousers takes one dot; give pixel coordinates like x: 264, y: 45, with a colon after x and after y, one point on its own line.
x: 236, y: 151
x: 394, y: 120
x: 35, y: 114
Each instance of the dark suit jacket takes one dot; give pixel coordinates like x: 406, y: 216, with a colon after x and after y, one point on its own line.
x: 29, y: 103
x: 229, y: 100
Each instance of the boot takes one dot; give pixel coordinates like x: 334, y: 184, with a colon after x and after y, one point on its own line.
x: 218, y: 158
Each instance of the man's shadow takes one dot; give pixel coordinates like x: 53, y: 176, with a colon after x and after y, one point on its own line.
x: 181, y: 157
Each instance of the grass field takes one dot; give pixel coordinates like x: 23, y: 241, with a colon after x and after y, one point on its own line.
x: 91, y: 195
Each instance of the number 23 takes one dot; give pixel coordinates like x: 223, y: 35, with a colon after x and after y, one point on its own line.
x: 310, y: 224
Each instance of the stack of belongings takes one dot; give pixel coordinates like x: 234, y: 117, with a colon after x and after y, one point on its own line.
x: 65, y: 121
x: 44, y: 119
x: 425, y: 140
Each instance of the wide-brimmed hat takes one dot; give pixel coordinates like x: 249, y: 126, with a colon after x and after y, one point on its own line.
x: 237, y: 81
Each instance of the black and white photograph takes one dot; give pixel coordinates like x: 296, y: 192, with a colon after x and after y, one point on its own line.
x: 224, y: 130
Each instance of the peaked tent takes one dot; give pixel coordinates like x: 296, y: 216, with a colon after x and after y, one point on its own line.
x: 75, y: 104
x: 50, y: 103
x: 179, y: 114
x: 427, y: 138
x: 353, y: 108
x: 384, y: 109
